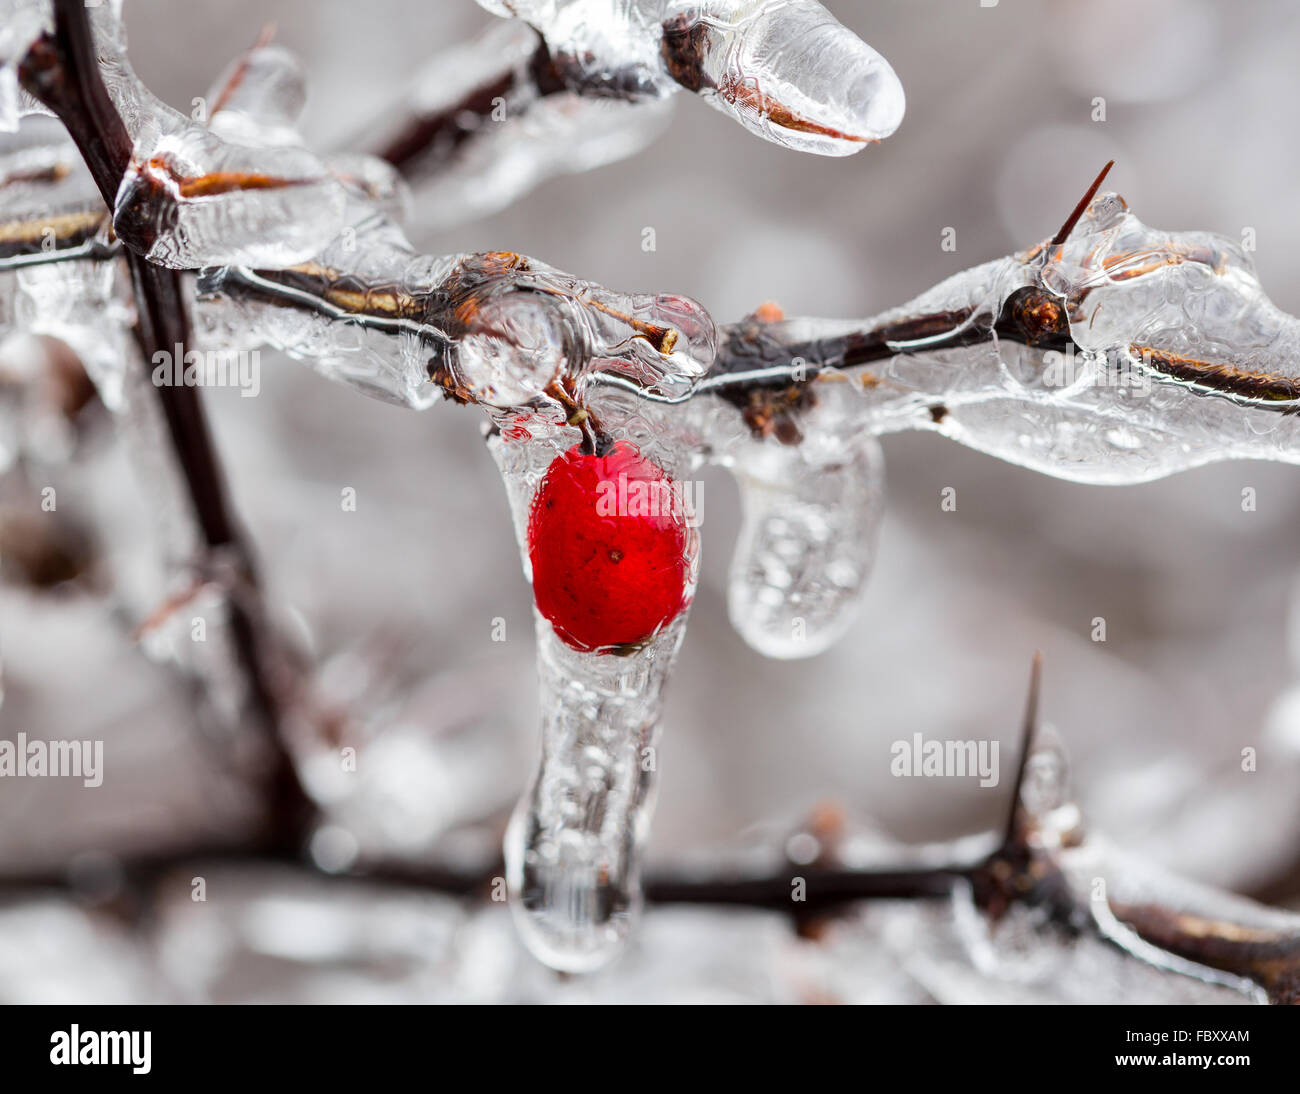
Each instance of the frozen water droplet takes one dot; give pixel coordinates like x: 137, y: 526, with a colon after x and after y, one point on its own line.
x: 806, y: 546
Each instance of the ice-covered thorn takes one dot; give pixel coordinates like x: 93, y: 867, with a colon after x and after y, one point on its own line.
x: 230, y: 82
x: 1028, y: 731
x: 260, y: 96
x: 1073, y: 219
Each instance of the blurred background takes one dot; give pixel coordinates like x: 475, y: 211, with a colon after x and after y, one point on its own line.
x: 400, y: 596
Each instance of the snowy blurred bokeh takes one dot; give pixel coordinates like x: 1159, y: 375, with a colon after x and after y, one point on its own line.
x: 399, y: 598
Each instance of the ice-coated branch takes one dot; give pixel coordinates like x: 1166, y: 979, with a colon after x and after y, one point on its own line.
x: 568, y: 86
x: 786, y: 71
x: 62, y: 71
x: 1044, y: 865
x: 1132, y: 352
x: 488, y: 120
x: 1111, y: 352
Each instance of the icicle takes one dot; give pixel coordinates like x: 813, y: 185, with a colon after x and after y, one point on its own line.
x: 785, y: 70
x: 574, y: 843
x: 807, y: 543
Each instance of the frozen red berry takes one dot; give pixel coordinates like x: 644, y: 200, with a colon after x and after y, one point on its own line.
x: 609, y: 544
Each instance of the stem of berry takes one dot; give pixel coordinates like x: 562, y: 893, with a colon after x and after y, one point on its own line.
x: 595, y: 441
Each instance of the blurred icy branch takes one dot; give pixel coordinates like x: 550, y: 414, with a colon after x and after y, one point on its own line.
x: 572, y: 84
x: 249, y: 683
x: 1071, y: 891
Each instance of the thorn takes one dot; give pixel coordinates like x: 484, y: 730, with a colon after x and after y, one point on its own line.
x: 1079, y: 209
x: 1028, y: 730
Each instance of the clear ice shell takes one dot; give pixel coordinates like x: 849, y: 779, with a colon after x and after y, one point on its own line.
x: 258, y: 99
x: 790, y: 73
x: 786, y: 70
x: 574, y: 843
x: 496, y: 328
x: 190, y: 199
x: 525, y: 140
x: 806, y: 545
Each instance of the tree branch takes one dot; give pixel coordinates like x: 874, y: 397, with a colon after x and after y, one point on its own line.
x: 62, y: 71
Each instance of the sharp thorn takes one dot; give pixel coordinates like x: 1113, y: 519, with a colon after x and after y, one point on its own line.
x: 1081, y: 208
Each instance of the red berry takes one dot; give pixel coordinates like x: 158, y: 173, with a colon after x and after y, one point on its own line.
x: 609, y: 543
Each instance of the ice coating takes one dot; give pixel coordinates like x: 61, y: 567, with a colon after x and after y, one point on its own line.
x: 192, y: 198
x: 21, y: 23
x: 574, y: 843
x: 1076, y: 890
x: 259, y: 98
x: 561, y: 134
x: 1123, y: 355
x: 56, y: 277
x: 785, y: 69
x: 500, y: 132
x: 788, y: 72
x: 52, y: 211
x: 497, y: 329
x: 806, y: 545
